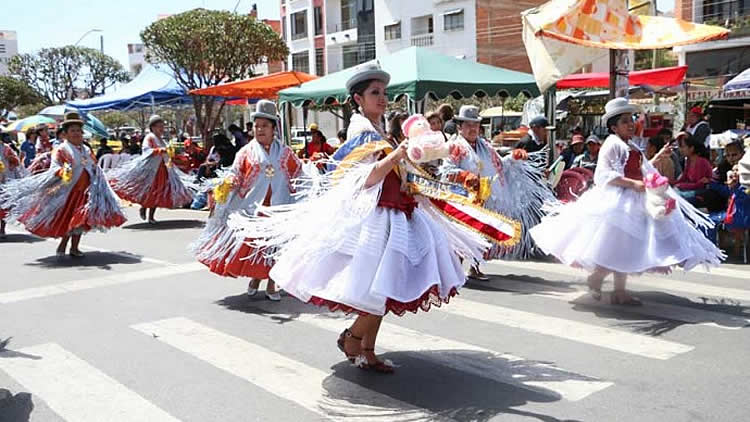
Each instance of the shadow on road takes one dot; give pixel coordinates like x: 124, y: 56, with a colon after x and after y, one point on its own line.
x: 166, y: 225
x: 21, y: 238
x: 288, y: 310
x: 15, y: 408
x: 98, y: 259
x: 446, y: 393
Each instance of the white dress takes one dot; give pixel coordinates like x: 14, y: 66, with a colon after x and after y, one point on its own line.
x: 347, y: 251
x: 609, y: 227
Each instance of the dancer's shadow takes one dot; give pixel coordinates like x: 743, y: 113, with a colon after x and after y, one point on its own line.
x: 423, y: 384
x: 21, y: 238
x: 167, y: 225
x: 530, y: 284
x: 98, y: 259
x: 288, y: 310
x: 15, y: 408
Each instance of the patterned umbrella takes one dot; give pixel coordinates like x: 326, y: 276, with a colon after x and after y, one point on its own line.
x: 93, y: 125
x: 27, y: 123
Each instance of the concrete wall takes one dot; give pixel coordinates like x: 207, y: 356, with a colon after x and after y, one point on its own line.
x: 452, y: 43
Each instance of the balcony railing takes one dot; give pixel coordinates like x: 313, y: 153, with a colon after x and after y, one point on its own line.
x: 343, y: 26
x: 422, y: 40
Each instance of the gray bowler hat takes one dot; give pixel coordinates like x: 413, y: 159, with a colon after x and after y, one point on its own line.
x: 265, y: 109
x: 154, y: 119
x: 366, y: 72
x: 468, y: 113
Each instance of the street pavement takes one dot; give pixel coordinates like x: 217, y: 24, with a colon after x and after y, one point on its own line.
x: 138, y: 331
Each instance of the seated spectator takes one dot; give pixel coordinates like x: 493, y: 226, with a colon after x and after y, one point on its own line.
x: 716, y: 197
x: 221, y: 155
x: 239, y: 137
x: 536, y: 138
x: 697, y: 171
x: 196, y: 154
x: 666, y: 136
x: 737, y: 219
x: 589, y: 158
x: 664, y: 164
x: 435, y: 121
x: 317, y: 148
x: 103, y: 149
x: 446, y: 113
x: 575, y: 150
x: 342, y: 136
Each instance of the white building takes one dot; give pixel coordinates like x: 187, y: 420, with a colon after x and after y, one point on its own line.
x: 8, y: 49
x: 136, y: 58
x: 448, y: 26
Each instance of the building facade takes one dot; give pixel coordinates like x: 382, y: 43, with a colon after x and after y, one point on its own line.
x: 486, y: 31
x: 136, y: 58
x: 8, y: 49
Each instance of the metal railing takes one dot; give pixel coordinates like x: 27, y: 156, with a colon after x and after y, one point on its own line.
x: 343, y: 26
x: 422, y: 40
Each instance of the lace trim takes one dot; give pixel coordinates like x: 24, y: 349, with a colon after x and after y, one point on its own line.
x: 425, y: 302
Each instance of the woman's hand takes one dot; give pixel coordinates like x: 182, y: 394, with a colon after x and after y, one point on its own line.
x: 665, y: 151
x: 638, y: 186
x: 399, y: 153
x: 704, y: 180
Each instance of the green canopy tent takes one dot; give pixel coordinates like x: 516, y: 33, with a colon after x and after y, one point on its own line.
x: 418, y: 72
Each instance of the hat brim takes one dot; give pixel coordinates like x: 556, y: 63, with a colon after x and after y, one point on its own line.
x: 261, y: 115
x: 630, y: 108
x: 378, y: 75
x: 467, y: 119
x: 72, y: 122
x: 155, y: 122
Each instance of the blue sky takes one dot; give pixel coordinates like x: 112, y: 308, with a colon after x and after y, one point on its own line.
x: 54, y: 23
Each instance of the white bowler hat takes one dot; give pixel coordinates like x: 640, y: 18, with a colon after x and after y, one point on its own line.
x: 618, y: 106
x: 366, y: 72
x: 468, y: 113
x: 154, y: 119
x: 265, y: 109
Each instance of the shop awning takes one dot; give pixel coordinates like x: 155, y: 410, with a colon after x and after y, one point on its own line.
x: 667, y: 76
x: 267, y: 86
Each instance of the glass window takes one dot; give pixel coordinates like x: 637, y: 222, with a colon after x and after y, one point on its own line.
x: 299, y: 25
x: 318, y: 14
x: 351, y: 56
x: 301, y: 62
x: 454, y: 21
x: 393, y: 32
x: 348, y: 14
x: 319, y: 62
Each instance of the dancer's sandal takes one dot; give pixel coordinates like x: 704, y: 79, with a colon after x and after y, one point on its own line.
x: 629, y: 301
x: 381, y: 367
x: 595, y: 290
x: 341, y: 343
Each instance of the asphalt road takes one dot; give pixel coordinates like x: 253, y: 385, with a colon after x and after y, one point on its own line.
x: 138, y: 331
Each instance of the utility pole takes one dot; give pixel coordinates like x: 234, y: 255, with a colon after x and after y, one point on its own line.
x: 101, y: 43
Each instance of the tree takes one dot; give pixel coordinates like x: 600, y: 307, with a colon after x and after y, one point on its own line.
x: 207, y: 47
x: 60, y: 73
x: 27, y: 110
x: 14, y: 92
x: 115, y: 119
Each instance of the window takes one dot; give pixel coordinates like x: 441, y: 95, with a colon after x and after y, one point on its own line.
x: 348, y: 14
x: 453, y: 20
x: 2, y: 48
x: 299, y: 25
x: 318, y: 15
x: 350, y: 56
x: 393, y: 31
x: 367, y: 5
x: 301, y: 62
x: 320, y: 68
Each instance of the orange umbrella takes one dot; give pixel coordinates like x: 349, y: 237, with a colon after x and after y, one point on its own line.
x: 267, y: 86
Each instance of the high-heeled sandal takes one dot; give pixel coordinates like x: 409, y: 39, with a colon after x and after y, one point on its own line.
x: 596, y: 291
x: 381, y: 367
x: 341, y: 343
x: 630, y: 301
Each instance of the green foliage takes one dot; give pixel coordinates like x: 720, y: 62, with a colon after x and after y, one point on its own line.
x: 115, y: 119
x: 15, y: 92
x: 207, y: 47
x: 644, y: 59
x: 62, y: 73
x: 27, y: 110
x: 510, y: 103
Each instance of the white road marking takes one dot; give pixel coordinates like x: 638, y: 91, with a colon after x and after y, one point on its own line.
x: 649, y: 308
x: 595, y: 335
x: 659, y: 283
x: 277, y: 374
x: 75, y: 390
x: 96, y: 282
x: 479, y: 361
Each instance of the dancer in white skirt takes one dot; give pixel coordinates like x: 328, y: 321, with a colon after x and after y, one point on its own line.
x: 381, y: 249
x: 616, y: 227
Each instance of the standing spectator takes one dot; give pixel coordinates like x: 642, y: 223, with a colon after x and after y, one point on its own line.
x: 446, y: 114
x: 59, y: 137
x: 317, y: 148
x: 435, y: 121
x: 666, y: 136
x: 342, y: 136
x: 589, y: 158
x: 536, y: 138
x: 103, y: 149
x: 249, y: 131
x: 239, y: 138
x: 28, y: 147
x: 395, y: 133
x: 663, y: 164
x: 743, y: 169
x: 698, y: 170
x: 698, y: 126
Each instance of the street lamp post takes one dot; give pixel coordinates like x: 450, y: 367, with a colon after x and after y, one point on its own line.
x: 70, y: 91
x: 84, y: 35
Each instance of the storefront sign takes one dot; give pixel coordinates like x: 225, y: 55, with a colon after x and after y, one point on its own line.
x: 718, y: 95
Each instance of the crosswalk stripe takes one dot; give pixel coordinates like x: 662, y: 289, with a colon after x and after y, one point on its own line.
x: 660, y: 283
x: 724, y: 271
x: 649, y: 308
x: 609, y: 338
x: 95, y: 282
x: 486, y: 363
x: 281, y: 376
x: 76, y: 390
